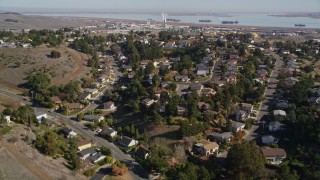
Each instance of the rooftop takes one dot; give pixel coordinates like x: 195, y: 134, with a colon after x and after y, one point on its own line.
x: 273, y: 152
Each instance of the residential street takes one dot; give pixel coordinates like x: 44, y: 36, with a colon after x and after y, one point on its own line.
x: 269, y: 95
x: 135, y: 170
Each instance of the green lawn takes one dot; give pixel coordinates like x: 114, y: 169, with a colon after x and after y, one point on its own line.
x: 200, y: 79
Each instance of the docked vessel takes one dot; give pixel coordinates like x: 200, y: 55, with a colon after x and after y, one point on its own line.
x: 205, y: 20
x: 300, y: 25
x: 173, y: 20
x: 230, y: 22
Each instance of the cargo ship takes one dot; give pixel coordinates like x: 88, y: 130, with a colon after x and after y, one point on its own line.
x: 173, y: 20
x: 230, y: 22
x: 300, y: 25
x: 205, y: 20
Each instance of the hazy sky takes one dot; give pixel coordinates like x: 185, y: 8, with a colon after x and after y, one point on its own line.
x: 191, y: 5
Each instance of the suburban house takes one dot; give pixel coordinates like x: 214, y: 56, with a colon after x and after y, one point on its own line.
x: 262, y: 73
x: 247, y: 107
x: 241, y: 115
x: 232, y: 61
x: 84, y: 96
x: 202, y: 70
x: 286, y: 52
x: 85, y: 153
x: 275, y: 126
x: 290, y: 82
x: 206, y: 60
x: 92, y: 91
x: 127, y: 68
x: 232, y: 79
x: 97, y: 157
x: 142, y: 152
x: 67, y: 132
x: 203, y: 106
x: 102, y: 79
x: 108, y: 132
x: 279, y: 114
x: 147, y: 102
x: 131, y: 75
x: 162, y: 108
x: 222, y: 137
x: 109, y: 105
x: 40, y: 115
x: 181, y: 78
x: 74, y: 106
x: 181, y: 110
x: 206, y: 148
x: 127, y: 142
x: 55, y: 100
x: 207, y: 92
x: 83, y: 144
x: 237, y: 126
x: 196, y: 87
x: 93, y: 118
x: 274, y: 155
x: 314, y: 100
x: 282, y: 105
x: 269, y: 139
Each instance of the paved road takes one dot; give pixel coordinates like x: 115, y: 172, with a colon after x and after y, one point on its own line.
x: 216, y: 73
x: 136, y: 170
x: 269, y: 95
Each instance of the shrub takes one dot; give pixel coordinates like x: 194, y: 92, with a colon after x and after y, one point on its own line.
x: 119, y: 169
x: 55, y: 54
x: 89, y: 172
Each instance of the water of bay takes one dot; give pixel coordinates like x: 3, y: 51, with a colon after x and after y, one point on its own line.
x: 264, y: 20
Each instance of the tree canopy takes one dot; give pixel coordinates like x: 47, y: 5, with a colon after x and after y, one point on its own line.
x: 245, y: 160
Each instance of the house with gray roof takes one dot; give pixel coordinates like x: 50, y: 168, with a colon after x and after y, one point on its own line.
x: 279, y: 114
x: 237, y: 126
x: 274, y: 126
x: 108, y: 132
x: 221, y: 137
x: 84, y: 154
x: 202, y: 70
x: 93, y: 118
x: 127, y: 142
x: 97, y: 157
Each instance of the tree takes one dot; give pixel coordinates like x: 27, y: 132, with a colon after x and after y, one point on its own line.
x: 292, y: 116
x: 285, y: 173
x: 43, y: 121
x: 245, y: 160
x: 105, y: 151
x: 39, y: 81
x: 25, y: 114
x: 137, y: 134
x: 132, y: 130
x: 75, y: 161
x: 80, y: 117
x: 55, y: 54
x: 149, y: 68
x: 156, y: 80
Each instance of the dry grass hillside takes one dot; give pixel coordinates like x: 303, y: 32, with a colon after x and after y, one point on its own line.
x: 15, y: 64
